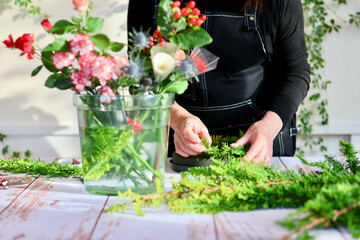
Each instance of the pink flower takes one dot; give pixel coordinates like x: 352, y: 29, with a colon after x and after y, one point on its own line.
x: 120, y: 63
x: 46, y: 24
x: 80, y: 81
x: 62, y: 59
x: 81, y: 5
x: 180, y: 55
x: 81, y: 44
x: 107, y: 94
x: 85, y: 62
x: 10, y: 42
x: 103, y: 68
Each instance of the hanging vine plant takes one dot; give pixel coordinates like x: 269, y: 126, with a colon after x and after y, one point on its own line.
x: 318, y: 26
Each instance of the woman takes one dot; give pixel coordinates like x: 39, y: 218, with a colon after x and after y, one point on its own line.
x: 261, y: 78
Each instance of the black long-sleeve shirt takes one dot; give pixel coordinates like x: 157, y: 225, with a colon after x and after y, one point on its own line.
x: 281, y: 24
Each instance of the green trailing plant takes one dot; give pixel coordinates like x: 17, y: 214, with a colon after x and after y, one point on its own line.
x: 330, y: 195
x: 6, y: 152
x: 29, y: 6
x: 318, y: 26
x: 37, y: 167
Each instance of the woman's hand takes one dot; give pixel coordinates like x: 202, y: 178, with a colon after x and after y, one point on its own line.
x: 261, y: 136
x: 188, y: 132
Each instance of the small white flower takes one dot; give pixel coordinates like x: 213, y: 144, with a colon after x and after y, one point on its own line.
x: 163, y: 64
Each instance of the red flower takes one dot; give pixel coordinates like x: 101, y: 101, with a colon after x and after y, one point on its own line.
x: 10, y: 42
x: 130, y: 122
x: 46, y: 24
x: 24, y: 43
x: 137, y: 127
x: 200, y: 65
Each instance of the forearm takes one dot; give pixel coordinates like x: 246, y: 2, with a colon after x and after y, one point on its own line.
x: 178, y: 115
x: 273, y: 123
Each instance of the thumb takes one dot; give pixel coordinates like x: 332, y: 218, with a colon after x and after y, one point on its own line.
x: 241, y: 141
x: 204, y: 133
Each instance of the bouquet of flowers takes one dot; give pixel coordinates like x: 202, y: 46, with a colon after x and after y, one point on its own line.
x: 117, y: 96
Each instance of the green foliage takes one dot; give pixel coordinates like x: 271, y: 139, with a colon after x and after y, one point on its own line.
x: 38, y: 167
x: 164, y: 17
x: 5, y: 149
x: 330, y: 195
x: 108, y: 150
x: 28, y: 6
x: 319, y: 25
x: 191, y: 38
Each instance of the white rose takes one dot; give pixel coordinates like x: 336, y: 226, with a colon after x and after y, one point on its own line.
x: 163, y: 64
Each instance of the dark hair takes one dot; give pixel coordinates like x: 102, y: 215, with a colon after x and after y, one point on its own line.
x: 249, y: 4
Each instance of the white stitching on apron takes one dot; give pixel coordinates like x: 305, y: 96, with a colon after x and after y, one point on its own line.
x: 281, y: 144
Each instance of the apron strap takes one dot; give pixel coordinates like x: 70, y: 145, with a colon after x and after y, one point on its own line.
x: 250, y: 19
x: 252, y: 24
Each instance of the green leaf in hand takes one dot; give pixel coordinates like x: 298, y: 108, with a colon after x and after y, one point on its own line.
x: 164, y: 17
x: 177, y: 87
x: 191, y: 38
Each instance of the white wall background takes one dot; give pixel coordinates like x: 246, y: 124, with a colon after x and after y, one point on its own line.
x: 44, y: 120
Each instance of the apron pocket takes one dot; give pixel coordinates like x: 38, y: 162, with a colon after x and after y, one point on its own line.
x: 227, y: 116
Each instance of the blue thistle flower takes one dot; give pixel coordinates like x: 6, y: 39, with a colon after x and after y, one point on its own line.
x: 187, y: 67
x: 141, y: 40
x: 134, y: 70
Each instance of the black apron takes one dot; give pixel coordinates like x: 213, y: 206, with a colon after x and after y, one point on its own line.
x: 231, y: 97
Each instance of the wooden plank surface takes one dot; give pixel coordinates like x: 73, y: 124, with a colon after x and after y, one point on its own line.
x: 8, y: 194
x: 62, y: 209
x: 159, y: 224
x: 46, y: 210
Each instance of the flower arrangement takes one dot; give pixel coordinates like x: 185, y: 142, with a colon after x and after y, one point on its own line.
x: 123, y: 101
x: 89, y: 63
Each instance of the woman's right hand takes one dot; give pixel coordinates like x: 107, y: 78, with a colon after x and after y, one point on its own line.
x: 189, y: 130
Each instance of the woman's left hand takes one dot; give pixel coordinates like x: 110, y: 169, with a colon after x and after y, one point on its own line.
x: 261, y: 136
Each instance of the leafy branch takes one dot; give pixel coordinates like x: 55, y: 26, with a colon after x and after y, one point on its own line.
x: 319, y: 25
x: 28, y: 5
x: 329, y: 195
x: 38, y: 167
x: 5, y: 149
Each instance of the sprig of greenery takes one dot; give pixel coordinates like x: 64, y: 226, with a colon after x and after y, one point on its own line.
x: 29, y: 6
x: 38, y: 167
x: 14, y: 154
x: 319, y: 25
x: 330, y: 195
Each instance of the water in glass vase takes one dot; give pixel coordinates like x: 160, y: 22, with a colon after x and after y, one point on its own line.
x: 116, y: 159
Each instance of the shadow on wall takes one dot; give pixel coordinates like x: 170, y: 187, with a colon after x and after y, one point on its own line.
x: 116, y: 8
x: 20, y: 136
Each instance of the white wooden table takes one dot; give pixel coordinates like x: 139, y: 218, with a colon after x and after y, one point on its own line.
x: 62, y: 209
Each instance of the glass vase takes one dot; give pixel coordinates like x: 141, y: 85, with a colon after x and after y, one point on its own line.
x: 123, y: 143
